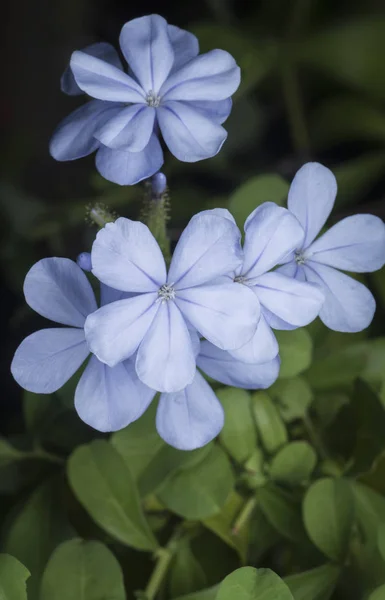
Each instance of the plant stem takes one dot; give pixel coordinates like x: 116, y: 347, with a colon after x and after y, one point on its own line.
x: 244, y: 515
x: 164, y: 557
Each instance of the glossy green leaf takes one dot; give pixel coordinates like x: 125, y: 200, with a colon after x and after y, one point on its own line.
x: 378, y: 593
x: 253, y: 193
x: 222, y: 525
x: 104, y: 485
x: 186, y: 574
x: 238, y: 435
x: 82, y: 570
x: 295, y: 350
x: 248, y: 583
x: 37, y: 527
x: 316, y: 584
x: 328, y: 512
x: 294, y: 463
x: 282, y: 511
x: 254, y: 59
x: 13, y: 577
x: 293, y: 397
x: 201, y: 491
x: 269, y: 423
x: 351, y: 52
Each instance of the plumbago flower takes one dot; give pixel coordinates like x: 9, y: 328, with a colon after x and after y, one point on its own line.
x: 271, y: 234
x: 110, y: 398
x: 169, y: 88
x: 155, y: 323
x: 355, y: 244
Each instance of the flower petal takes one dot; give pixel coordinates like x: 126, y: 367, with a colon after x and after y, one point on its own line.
x: 311, y: 198
x: 129, y: 130
x: 209, y: 247
x: 218, y: 111
x: 189, y: 134
x: 211, y: 76
x: 184, y: 44
x: 57, y: 289
x: 107, y: 398
x: 292, y: 269
x: 108, y: 295
x: 271, y: 233
x: 115, y: 331
x: 349, y: 306
x: 354, y: 244
x: 165, y: 359
x: 190, y: 418
x: 223, y: 367
x: 262, y: 347
x: 104, y: 81
x: 101, y: 50
x: 74, y: 136
x: 126, y: 256
x: 147, y: 48
x: 128, y: 168
x: 226, y: 314
x: 293, y: 301
x: 47, y: 359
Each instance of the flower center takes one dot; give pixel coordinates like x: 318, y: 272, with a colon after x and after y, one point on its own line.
x: 153, y: 99
x: 166, y: 292
x: 299, y: 257
x: 240, y: 279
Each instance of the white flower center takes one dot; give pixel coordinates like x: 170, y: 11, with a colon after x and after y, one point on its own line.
x: 241, y: 279
x: 165, y: 293
x: 153, y: 99
x: 299, y: 257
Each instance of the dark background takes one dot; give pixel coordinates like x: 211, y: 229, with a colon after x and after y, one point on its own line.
x: 313, y: 88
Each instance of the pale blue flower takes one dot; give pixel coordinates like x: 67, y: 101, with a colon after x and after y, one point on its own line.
x: 155, y: 324
x: 105, y: 398
x: 169, y: 88
x: 355, y: 244
x: 271, y: 234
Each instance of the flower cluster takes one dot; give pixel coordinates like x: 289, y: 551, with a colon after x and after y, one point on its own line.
x: 168, y: 89
x: 214, y: 309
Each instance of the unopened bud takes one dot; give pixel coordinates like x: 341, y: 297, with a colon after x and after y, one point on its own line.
x: 84, y: 261
x: 158, y: 184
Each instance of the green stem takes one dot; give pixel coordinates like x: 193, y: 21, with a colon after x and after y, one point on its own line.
x: 164, y: 557
x: 156, y: 222
x: 244, y: 515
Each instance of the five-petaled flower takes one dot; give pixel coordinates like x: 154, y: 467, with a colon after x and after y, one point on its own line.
x: 355, y: 244
x: 169, y: 88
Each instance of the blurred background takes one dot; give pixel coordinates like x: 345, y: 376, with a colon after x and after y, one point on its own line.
x: 313, y: 88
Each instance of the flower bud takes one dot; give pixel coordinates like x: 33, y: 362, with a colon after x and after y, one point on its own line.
x: 84, y: 261
x: 158, y: 184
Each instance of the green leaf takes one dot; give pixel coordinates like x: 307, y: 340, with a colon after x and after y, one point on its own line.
x: 293, y: 396
x: 282, y: 511
x: 351, y: 52
x: 82, y: 570
x: 248, y: 583
x: 222, y: 523
x: 369, y: 416
x: 238, y: 435
x: 358, y: 176
x: 375, y: 477
x: 295, y: 350
x: 186, y: 575
x: 317, y: 584
x: 294, y: 463
x: 253, y: 193
x: 202, y: 491
x: 207, y: 594
x: 378, y: 593
x: 374, y: 368
x: 338, y: 368
x: 165, y: 464
x: 270, y: 426
x: 104, y: 485
x: 9, y: 454
x: 328, y: 512
x: 139, y: 442
x: 13, y: 577
x: 254, y: 59
x: 346, y: 118
x: 38, y: 526
x: 381, y: 540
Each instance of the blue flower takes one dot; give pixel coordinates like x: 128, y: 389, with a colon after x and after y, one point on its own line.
x: 156, y: 322
x: 106, y: 398
x: 170, y: 88
x: 271, y: 234
x: 355, y: 244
